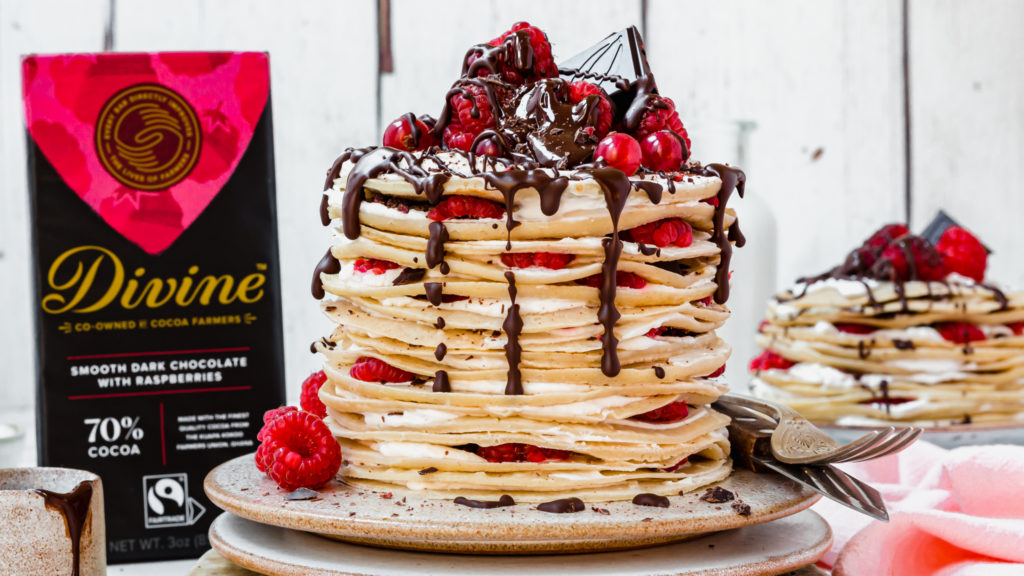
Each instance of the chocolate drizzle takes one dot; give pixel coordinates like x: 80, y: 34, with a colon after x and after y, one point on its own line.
x: 659, y: 372
x: 434, y: 292
x: 409, y: 276
x: 502, y: 502
x: 563, y: 506
x: 616, y: 187
x: 441, y: 383
x: 732, y: 179
x: 513, y: 327
x: 650, y: 500
x: 372, y: 162
x: 435, y: 246
x: 328, y: 265
x: 74, y: 507
x: 509, y: 182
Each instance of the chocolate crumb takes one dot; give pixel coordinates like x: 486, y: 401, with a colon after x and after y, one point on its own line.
x: 646, y: 520
x: 741, y: 508
x: 650, y: 500
x: 426, y: 471
x: 717, y: 495
x: 602, y: 511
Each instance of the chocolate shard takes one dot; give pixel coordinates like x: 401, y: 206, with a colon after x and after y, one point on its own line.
x: 940, y: 224
x: 615, y: 64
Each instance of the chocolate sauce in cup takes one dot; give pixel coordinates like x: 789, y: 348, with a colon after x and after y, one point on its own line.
x: 53, y: 522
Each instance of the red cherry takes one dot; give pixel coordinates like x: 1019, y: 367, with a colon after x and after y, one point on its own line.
x: 662, y: 151
x: 619, y: 151
x: 399, y: 134
x: 487, y: 146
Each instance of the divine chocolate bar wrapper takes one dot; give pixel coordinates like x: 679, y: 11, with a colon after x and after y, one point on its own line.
x: 157, y: 297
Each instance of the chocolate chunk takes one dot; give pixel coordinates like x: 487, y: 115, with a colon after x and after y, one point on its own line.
x: 650, y: 500
x: 502, y: 502
x: 741, y: 508
x: 563, y: 506
x: 615, y: 64
x: 717, y: 495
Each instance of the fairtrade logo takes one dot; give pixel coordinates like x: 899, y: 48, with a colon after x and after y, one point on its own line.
x: 148, y: 137
x: 168, y: 504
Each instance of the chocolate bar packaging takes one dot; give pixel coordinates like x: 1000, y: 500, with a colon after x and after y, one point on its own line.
x: 157, y: 298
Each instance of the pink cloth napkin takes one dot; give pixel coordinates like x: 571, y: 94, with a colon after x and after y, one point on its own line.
x: 952, y: 513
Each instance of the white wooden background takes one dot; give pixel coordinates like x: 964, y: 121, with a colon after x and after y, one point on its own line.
x: 823, y: 80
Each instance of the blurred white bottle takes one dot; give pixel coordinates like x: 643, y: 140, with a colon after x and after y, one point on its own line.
x: 754, y: 278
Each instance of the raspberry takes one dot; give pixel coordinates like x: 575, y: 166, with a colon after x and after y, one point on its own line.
x: 465, y: 207
x: 855, y: 328
x: 271, y: 415
x: 672, y: 412
x: 550, y: 260
x: 963, y: 253
x: 463, y: 127
x: 662, y: 116
x: 712, y: 200
x: 374, y: 265
x: 676, y: 466
x: 310, y: 399
x: 717, y: 373
x: 622, y: 280
x: 769, y: 360
x: 960, y: 332
x: 299, y: 451
x: 670, y: 231
x: 543, y: 62
x: 885, y: 235
x: 369, y: 369
x: 655, y: 332
x: 925, y: 263
x: 1017, y: 327
x: 760, y: 327
x: 578, y: 91
x: 520, y: 453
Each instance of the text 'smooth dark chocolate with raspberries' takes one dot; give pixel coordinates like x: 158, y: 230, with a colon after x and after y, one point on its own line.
x: 157, y: 295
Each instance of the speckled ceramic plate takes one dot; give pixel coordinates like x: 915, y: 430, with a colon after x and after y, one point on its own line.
x: 773, y: 548
x: 403, y: 520
x: 945, y: 436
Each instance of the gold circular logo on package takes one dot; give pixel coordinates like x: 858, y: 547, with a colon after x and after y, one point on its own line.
x: 148, y: 137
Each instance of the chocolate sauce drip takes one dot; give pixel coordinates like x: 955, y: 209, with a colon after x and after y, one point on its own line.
x: 514, y: 51
x: 328, y: 265
x: 74, y: 507
x: 998, y: 294
x: 903, y: 344
x: 440, y: 351
x: 563, y: 506
x: 650, y: 500
x: 647, y: 250
x: 372, y: 162
x: 645, y: 100
x: 325, y: 214
x: 509, y: 182
x: 335, y: 171
x: 659, y: 372
x: 502, y: 502
x: 652, y: 189
x: 513, y: 327
x: 732, y: 179
x: 439, y: 324
x: 441, y: 383
x: 616, y: 187
x: 434, y: 292
x: 864, y: 348
x: 409, y: 276
x: 435, y: 246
